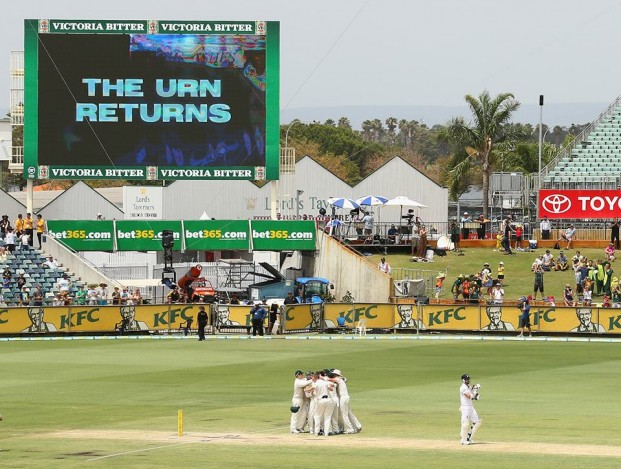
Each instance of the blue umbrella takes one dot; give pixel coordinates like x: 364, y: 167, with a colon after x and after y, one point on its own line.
x: 343, y: 202
x: 372, y: 200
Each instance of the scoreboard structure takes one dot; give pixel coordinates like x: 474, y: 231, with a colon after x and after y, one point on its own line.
x: 151, y: 99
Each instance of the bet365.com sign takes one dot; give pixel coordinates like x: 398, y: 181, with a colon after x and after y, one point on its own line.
x: 199, y: 235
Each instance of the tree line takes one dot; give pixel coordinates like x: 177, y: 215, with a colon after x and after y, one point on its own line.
x: 458, y: 154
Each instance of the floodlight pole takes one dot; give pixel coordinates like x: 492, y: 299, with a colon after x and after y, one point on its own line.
x: 540, y: 137
x: 540, y: 146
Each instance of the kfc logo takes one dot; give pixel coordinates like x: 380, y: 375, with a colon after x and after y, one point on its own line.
x: 556, y: 203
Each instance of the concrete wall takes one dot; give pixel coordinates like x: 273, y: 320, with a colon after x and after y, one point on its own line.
x: 349, y: 271
x: 75, y: 264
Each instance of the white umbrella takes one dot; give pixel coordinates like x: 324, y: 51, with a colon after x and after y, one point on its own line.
x: 343, y: 202
x: 404, y: 201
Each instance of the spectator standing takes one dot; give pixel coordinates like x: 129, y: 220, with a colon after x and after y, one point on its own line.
x: 600, y: 275
x: 274, y: 308
x: 24, y: 297
x: 7, y: 277
x: 24, y: 240
x: 545, y: 227
x: 37, y: 296
x: 498, y: 294
x: 80, y: 296
x: 19, y: 225
x: 525, y: 317
x: 201, y: 318
x: 126, y: 299
x: 439, y: 282
x: 290, y: 300
x: 5, y: 224
x: 506, y: 238
x: 586, y: 295
x: 481, y: 229
x: 257, y: 316
x: 616, y: 296
x: 28, y: 228
x: 608, y: 274
x: 137, y: 297
x: 518, y: 237
x: 421, y: 246
x: 64, y: 284
x: 465, y: 288
x: 102, y: 293
x: 568, y: 296
x: 456, y: 287
x: 40, y: 228
x: 455, y: 235
x: 10, y: 240
x: 367, y: 220
x: 501, y: 273
x: 465, y: 220
x: 614, y: 233
x: 91, y: 296
x: 384, y: 266
x: 116, y: 296
x: 538, y: 281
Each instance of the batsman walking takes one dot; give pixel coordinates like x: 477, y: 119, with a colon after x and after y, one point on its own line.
x: 470, y: 421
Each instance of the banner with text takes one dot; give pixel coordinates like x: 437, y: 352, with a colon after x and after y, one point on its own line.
x: 216, y: 235
x: 83, y: 235
x: 279, y: 235
x: 450, y: 317
x: 556, y: 203
x: 199, y: 235
x: 146, y: 235
x: 375, y: 316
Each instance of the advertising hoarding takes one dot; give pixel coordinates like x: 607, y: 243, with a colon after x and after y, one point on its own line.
x: 580, y: 204
x: 199, y: 235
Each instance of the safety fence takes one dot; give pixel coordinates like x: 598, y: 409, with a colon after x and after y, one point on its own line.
x: 304, y: 318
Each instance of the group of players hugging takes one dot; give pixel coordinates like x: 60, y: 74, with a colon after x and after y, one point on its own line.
x: 321, y: 404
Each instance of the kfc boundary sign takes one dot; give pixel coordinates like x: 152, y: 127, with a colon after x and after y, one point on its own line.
x: 579, y: 204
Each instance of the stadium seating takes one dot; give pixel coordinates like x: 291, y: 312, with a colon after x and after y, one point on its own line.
x: 29, y: 261
x: 595, y: 163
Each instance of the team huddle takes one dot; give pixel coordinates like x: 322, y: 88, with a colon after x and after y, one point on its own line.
x: 321, y: 404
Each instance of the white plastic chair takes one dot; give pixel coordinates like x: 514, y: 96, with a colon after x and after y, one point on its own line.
x: 361, y: 327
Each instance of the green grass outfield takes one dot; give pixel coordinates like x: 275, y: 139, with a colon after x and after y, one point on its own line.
x: 113, y: 393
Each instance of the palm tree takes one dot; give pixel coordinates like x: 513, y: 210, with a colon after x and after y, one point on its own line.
x: 391, y: 124
x: 474, y: 143
x: 344, y: 123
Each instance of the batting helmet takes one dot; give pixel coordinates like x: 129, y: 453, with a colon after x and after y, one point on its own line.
x: 465, y: 377
x: 294, y: 409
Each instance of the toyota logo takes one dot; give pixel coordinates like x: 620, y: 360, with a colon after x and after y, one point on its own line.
x: 556, y: 203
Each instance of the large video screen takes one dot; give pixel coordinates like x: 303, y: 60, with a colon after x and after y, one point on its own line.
x: 151, y: 100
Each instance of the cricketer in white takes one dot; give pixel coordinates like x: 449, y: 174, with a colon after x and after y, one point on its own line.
x: 470, y: 421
